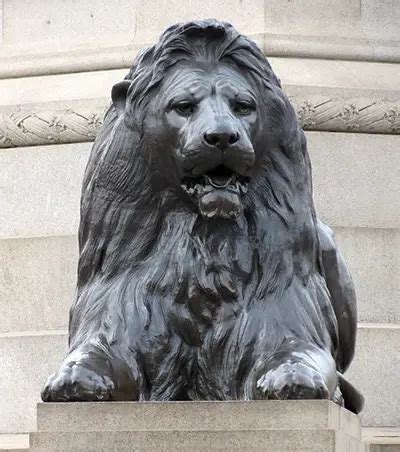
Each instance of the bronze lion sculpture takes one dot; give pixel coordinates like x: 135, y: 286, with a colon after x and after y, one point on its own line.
x: 204, y: 273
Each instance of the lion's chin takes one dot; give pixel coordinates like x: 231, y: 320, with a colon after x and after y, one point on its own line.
x: 220, y: 203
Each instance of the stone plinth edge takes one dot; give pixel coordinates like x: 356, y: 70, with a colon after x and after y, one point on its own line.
x: 232, y: 425
x: 23, y: 62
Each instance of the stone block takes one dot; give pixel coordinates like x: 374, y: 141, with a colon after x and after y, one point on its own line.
x: 70, y: 20
x: 348, y: 75
x: 355, y: 179
x: 246, y: 15
x: 313, y: 17
x: 327, y: 47
x: 98, y: 21
x: 41, y: 190
x: 375, y: 372
x: 353, y: 184
x: 1, y: 22
x: 366, y: 78
x: 380, y: 19
x: 63, y: 88
x: 123, y: 22
x: 196, y: 416
x: 26, y: 361
x: 382, y: 439
x: 384, y: 448
x: 351, y: 18
x: 37, y: 279
x: 371, y: 255
x: 14, y: 442
x: 364, y: 19
x: 276, y: 440
x: 260, y: 425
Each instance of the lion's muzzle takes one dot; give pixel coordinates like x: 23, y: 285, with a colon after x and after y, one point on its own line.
x: 218, y: 176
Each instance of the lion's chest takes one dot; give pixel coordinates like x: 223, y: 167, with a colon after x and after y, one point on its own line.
x: 212, y: 272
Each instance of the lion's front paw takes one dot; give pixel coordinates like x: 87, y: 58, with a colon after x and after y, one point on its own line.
x: 292, y: 380
x: 76, y: 382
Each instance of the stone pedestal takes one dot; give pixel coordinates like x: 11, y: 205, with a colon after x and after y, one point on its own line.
x: 311, y: 426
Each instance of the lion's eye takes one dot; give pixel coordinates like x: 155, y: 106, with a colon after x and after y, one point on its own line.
x: 243, y: 108
x: 184, y: 108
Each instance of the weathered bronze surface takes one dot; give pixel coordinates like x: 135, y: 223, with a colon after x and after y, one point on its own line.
x: 204, y: 273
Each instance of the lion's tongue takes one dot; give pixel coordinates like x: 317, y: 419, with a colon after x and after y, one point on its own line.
x: 219, y: 181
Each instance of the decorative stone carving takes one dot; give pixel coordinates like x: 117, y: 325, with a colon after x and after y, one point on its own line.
x: 314, y: 111
x: 50, y: 127
x: 357, y: 114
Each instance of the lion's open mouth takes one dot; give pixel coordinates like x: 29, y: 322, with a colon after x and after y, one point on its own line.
x: 217, y: 192
x: 220, y: 178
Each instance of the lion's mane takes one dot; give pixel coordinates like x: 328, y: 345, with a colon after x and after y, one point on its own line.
x: 161, y: 265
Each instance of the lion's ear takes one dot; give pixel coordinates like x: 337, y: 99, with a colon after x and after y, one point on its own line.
x: 118, y: 95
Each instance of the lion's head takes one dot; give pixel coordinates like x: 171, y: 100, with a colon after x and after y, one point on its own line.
x: 206, y: 115
x: 209, y: 110
x: 201, y: 127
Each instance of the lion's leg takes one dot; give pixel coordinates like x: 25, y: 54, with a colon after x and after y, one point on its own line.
x: 101, y: 362
x: 93, y: 371
x: 298, y: 370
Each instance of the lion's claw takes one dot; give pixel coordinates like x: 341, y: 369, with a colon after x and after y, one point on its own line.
x: 76, y: 382
x: 293, y: 380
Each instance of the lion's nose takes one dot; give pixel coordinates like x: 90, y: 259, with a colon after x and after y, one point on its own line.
x: 221, y: 140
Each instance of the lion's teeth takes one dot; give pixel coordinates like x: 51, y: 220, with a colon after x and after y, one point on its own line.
x: 219, y: 185
x: 198, y: 189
